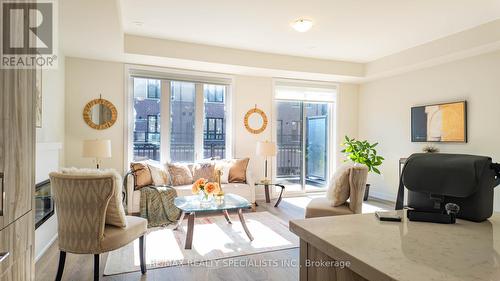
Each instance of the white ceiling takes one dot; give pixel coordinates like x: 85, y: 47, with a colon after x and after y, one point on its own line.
x: 352, y: 30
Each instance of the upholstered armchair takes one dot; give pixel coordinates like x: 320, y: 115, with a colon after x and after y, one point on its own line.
x: 322, y: 207
x: 81, y: 203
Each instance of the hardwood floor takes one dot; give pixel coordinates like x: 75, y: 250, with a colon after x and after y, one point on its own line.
x: 80, y: 267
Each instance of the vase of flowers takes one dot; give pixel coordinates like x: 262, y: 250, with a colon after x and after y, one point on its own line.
x: 205, y: 190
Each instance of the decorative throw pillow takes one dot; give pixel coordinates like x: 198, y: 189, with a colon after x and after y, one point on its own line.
x: 223, y: 166
x: 204, y: 170
x: 338, y: 191
x: 238, y: 170
x: 142, y: 174
x: 158, y: 174
x: 180, y: 174
x: 115, y: 213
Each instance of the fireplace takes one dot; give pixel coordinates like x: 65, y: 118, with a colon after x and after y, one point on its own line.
x: 44, y: 204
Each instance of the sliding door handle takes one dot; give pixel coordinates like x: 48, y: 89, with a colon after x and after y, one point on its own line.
x: 3, y: 256
x: 2, y: 194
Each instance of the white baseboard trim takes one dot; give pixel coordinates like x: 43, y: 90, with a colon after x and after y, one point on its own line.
x: 383, y: 196
x: 46, y: 248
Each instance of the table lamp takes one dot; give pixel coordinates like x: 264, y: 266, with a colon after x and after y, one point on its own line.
x: 97, y: 149
x: 266, y: 149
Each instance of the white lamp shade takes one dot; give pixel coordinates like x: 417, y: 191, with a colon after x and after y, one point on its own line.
x: 266, y: 148
x: 97, y: 148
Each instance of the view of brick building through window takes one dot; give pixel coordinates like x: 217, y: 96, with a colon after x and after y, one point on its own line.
x: 147, y: 127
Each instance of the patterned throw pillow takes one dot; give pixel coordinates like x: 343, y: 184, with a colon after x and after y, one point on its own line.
x: 204, y: 170
x: 115, y: 213
x: 142, y: 175
x: 159, y: 175
x: 338, y: 191
x: 180, y: 174
x: 238, y: 170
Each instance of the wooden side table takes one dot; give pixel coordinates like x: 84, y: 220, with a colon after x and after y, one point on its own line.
x: 266, y: 189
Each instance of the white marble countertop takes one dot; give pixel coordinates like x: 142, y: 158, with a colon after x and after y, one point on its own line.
x: 408, y: 251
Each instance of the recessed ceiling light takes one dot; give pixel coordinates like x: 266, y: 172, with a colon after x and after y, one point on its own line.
x: 302, y: 25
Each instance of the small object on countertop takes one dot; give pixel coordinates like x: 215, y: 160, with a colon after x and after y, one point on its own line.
x: 388, y: 216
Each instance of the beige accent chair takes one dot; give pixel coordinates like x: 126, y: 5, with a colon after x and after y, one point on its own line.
x: 322, y: 207
x: 81, y: 202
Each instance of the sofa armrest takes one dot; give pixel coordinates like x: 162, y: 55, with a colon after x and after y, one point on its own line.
x: 251, y: 184
x: 130, y: 193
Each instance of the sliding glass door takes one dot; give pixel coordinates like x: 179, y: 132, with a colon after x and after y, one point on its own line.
x: 302, y: 139
x: 316, y: 128
x: 290, y: 144
x: 304, y: 118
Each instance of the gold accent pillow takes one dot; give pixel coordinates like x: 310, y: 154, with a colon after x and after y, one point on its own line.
x: 142, y: 175
x: 238, y: 170
x: 204, y: 170
x: 180, y: 174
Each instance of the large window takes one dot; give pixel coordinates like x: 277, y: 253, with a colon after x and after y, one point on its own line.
x: 194, y: 120
x: 146, y: 138
x: 182, y: 121
x: 304, y: 115
x: 214, y: 128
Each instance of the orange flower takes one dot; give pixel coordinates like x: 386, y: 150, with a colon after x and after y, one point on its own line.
x: 212, y: 188
x: 197, y: 185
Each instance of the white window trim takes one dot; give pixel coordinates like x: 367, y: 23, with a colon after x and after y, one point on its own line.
x: 131, y: 70
x: 332, y: 128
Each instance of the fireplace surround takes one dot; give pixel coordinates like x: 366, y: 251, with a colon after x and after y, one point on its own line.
x: 44, y: 204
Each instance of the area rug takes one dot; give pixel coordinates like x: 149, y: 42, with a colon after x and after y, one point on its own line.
x: 214, y: 239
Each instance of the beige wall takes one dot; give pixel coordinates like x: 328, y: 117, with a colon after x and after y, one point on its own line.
x: 85, y: 80
x: 384, y: 112
x: 53, y: 119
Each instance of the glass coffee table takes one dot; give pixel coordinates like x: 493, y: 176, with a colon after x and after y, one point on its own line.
x: 190, y: 205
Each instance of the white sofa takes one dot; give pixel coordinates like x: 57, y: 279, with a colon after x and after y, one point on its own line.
x: 245, y: 190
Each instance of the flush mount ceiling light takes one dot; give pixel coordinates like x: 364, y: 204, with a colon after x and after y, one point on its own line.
x: 302, y: 25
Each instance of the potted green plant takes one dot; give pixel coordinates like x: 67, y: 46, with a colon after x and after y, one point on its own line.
x: 365, y: 153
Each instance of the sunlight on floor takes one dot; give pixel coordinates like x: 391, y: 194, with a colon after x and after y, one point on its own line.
x: 165, y: 247
x: 300, y: 202
x: 368, y: 207
x: 264, y: 237
x: 210, y: 237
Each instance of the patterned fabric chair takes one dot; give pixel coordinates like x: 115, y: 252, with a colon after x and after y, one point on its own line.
x: 81, y: 202
x: 322, y: 207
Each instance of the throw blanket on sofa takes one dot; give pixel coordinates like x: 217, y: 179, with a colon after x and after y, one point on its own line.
x: 157, y: 205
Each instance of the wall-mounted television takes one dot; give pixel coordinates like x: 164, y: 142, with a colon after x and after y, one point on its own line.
x: 445, y: 122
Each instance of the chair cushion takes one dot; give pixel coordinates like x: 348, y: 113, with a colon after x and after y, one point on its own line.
x: 115, y: 213
x: 338, y: 191
x: 116, y: 237
x: 321, y: 207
